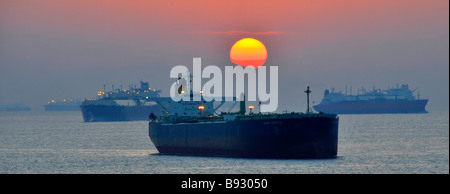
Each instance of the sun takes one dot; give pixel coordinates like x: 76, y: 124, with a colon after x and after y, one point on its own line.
x: 248, y: 52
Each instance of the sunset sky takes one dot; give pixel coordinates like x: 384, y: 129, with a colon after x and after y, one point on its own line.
x: 56, y: 49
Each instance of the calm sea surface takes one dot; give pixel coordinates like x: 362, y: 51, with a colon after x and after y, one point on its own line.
x: 60, y: 142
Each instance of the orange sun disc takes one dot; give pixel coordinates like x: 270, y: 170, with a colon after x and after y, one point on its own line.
x: 248, y: 52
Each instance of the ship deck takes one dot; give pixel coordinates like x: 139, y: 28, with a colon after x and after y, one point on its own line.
x: 258, y: 116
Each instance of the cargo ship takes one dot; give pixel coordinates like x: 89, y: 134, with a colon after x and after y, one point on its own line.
x: 253, y: 135
x: 64, y: 105
x: 14, y: 107
x: 377, y: 101
x: 133, y: 104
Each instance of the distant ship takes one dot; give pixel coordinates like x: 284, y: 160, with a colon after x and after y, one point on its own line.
x: 253, y: 135
x: 393, y: 100
x: 14, y: 107
x: 133, y: 104
x: 64, y: 105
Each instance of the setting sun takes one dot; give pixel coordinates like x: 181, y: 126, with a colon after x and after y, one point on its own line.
x: 248, y: 52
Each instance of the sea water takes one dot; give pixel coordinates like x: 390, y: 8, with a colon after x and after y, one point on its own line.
x: 60, y: 142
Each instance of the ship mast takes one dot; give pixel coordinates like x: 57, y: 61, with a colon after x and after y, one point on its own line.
x: 308, y: 109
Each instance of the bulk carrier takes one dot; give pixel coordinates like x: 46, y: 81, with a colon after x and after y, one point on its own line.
x: 392, y: 100
x: 253, y: 135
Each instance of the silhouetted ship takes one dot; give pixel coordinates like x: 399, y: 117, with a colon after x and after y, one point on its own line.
x: 201, y: 133
x: 393, y: 100
x: 14, y: 107
x: 65, y: 105
x: 122, y: 105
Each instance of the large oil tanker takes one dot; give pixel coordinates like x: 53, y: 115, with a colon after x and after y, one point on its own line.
x: 133, y: 104
x: 254, y: 135
x: 393, y: 100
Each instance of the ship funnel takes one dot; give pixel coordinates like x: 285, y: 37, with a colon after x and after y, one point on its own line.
x: 242, y: 105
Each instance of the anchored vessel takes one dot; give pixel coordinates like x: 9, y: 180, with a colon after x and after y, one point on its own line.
x: 65, y: 105
x: 123, y: 105
x: 288, y: 135
x: 393, y: 100
x: 15, y: 107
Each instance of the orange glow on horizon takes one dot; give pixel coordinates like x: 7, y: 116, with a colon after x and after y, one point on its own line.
x: 248, y: 52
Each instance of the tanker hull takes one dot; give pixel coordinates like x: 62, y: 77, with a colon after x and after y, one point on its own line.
x: 305, y: 137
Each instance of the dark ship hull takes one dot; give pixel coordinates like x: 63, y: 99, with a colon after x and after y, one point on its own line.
x: 13, y: 109
x: 94, y: 113
x: 295, y: 136
x: 373, y: 107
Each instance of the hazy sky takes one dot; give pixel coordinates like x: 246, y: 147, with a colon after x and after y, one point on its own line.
x: 56, y: 49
